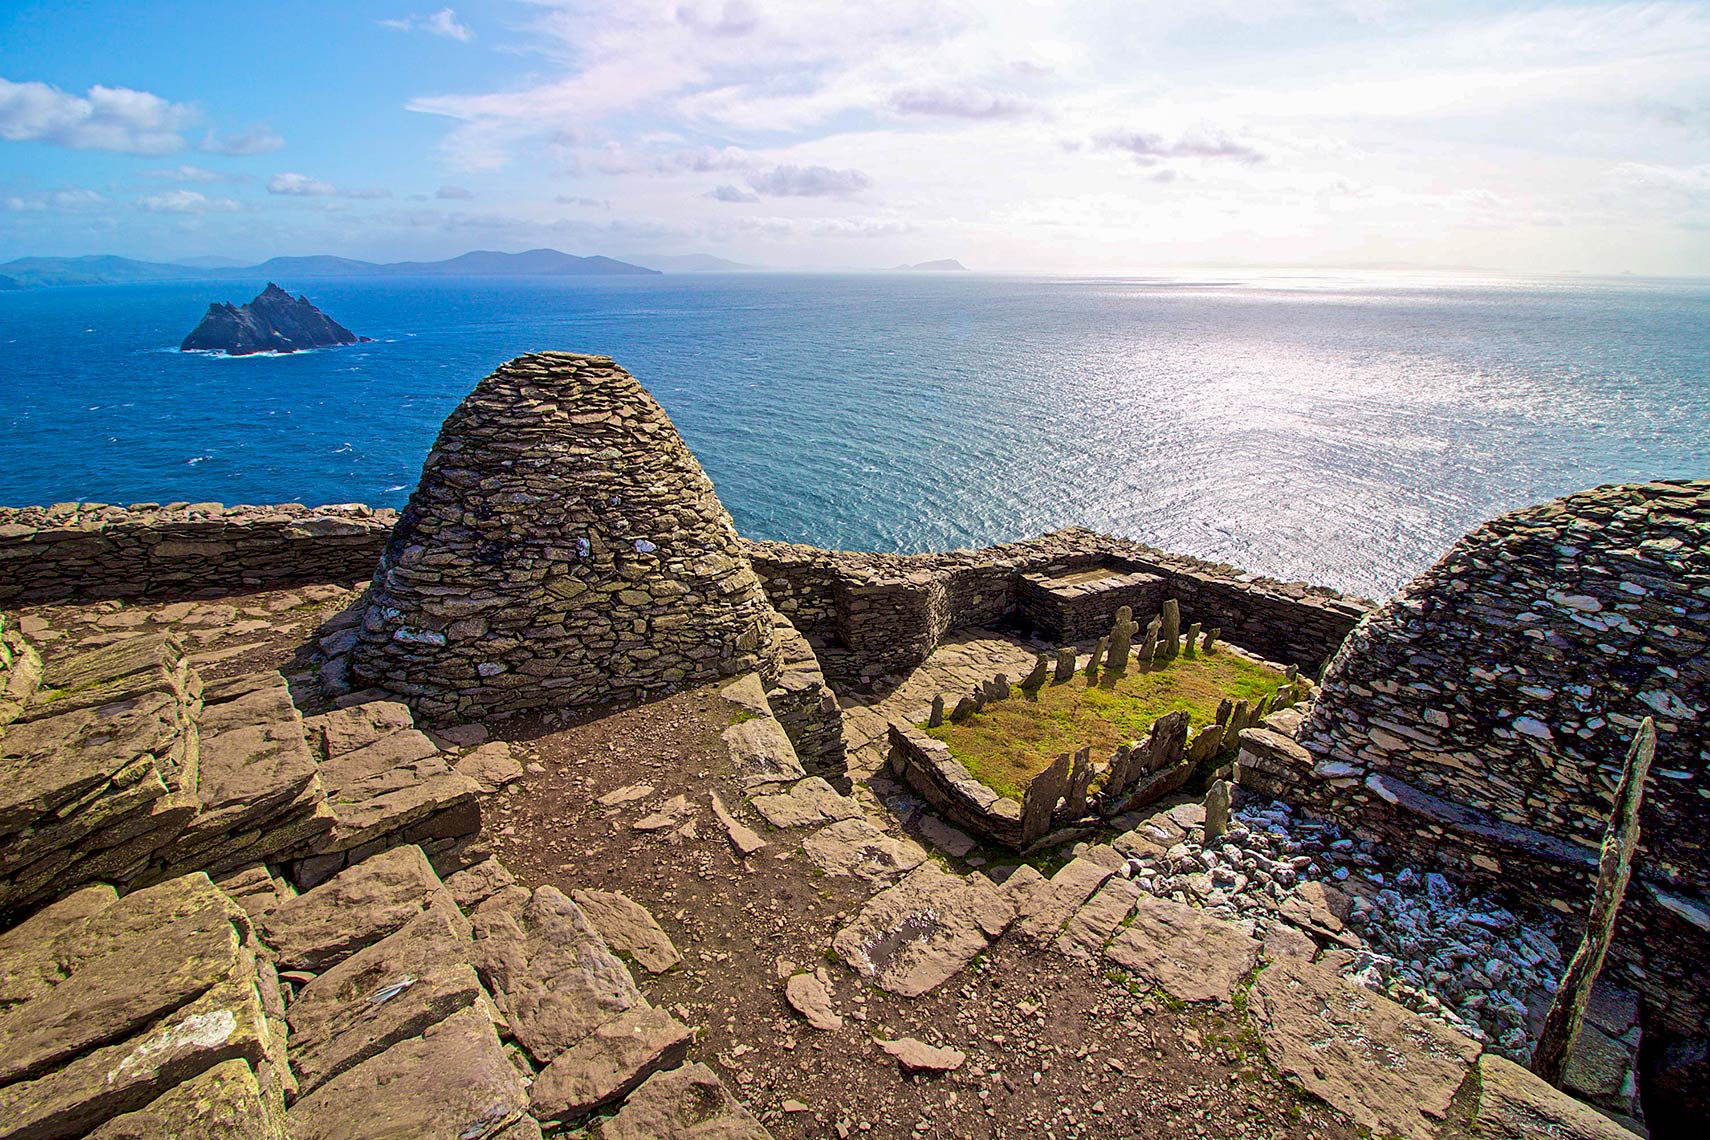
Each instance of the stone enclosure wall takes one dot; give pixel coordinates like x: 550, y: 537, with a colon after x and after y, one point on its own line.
x: 877, y: 614
x: 1481, y: 717
x: 93, y: 550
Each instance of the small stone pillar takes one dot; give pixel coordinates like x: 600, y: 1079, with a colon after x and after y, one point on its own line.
x: 1097, y: 657
x: 936, y: 716
x: 1065, y: 664
x: 1211, y: 636
x: 1036, y: 678
x: 1188, y: 642
x: 1170, y: 631
x: 1000, y: 687
x: 1149, y: 649
x: 1121, y: 638
x: 965, y: 708
x: 1216, y: 810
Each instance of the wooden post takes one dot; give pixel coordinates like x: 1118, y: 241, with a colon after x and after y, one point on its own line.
x: 1614, y: 866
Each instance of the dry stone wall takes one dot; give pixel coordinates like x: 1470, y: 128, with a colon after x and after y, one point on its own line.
x: 1480, y: 718
x: 563, y: 549
x: 874, y: 614
x: 93, y: 550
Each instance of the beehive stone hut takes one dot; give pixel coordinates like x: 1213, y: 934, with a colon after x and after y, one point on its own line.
x: 1480, y: 718
x: 563, y: 549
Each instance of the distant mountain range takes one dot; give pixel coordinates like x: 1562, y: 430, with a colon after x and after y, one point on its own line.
x: 948, y: 264
x: 39, y: 272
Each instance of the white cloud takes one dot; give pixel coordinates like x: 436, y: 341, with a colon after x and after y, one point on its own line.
x: 186, y: 172
x: 959, y: 103
x: 106, y: 118
x: 441, y: 23
x: 300, y: 186
x: 809, y: 182
x: 186, y: 202
x: 251, y: 140
x: 69, y: 200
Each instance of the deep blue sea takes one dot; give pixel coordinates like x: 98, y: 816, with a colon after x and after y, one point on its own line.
x: 1341, y: 430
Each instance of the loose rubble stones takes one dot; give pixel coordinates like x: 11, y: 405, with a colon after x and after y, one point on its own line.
x: 807, y: 995
x: 563, y: 547
x: 918, y: 1057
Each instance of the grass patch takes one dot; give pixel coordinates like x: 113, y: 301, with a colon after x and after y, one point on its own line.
x: 743, y: 716
x: 1007, y: 743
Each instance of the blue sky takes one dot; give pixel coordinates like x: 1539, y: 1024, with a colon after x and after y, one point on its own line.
x: 1093, y: 136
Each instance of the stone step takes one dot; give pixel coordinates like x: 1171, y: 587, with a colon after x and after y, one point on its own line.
x: 20, y: 673
x: 112, y: 1002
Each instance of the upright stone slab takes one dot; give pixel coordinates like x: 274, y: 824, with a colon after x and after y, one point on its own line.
x: 1065, y: 667
x: 1121, y: 637
x: 1170, y: 630
x: 563, y: 548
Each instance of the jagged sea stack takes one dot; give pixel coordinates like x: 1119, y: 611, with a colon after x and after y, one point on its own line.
x: 563, y: 548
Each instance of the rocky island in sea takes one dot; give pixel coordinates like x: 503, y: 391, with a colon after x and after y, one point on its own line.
x: 273, y: 322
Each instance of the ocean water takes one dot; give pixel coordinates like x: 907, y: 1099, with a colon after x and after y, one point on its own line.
x: 1334, y: 429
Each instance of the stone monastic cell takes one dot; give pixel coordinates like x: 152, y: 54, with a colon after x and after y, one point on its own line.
x: 1036, y: 677
x: 1170, y: 632
x: 1216, y: 810
x: 1121, y: 638
x: 1149, y: 648
x: 936, y: 716
x: 965, y: 708
x: 1211, y: 636
x: 1000, y: 687
x: 1065, y: 664
x: 563, y: 548
x: 1190, y: 642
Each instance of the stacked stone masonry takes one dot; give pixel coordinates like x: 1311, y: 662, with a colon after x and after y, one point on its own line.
x: 563, y: 549
x: 92, y: 550
x: 879, y: 614
x: 1479, y: 719
x: 386, y: 1001
x: 119, y: 765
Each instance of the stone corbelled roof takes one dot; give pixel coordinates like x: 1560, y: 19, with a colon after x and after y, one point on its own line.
x: 563, y: 548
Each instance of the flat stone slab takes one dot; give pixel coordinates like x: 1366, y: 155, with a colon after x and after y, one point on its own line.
x: 227, y: 1021
x: 808, y: 996
x: 357, y: 726
x: 357, y: 907
x: 383, y: 994
x: 29, y: 952
x: 762, y: 753
x: 1043, y: 907
x: 918, y: 1057
x: 609, y: 1063
x: 222, y: 1103
x: 742, y: 837
x: 364, y: 773
x: 1184, y: 951
x: 806, y: 803
x: 47, y: 765
x: 1097, y: 922
x: 454, y: 1082
x: 549, y: 969
x: 1362, y: 1054
x: 689, y: 1103
x: 473, y: 886
x: 491, y: 766
x: 131, y: 963
x: 1513, y: 1104
x: 854, y: 847
x: 917, y: 934
x: 629, y: 930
